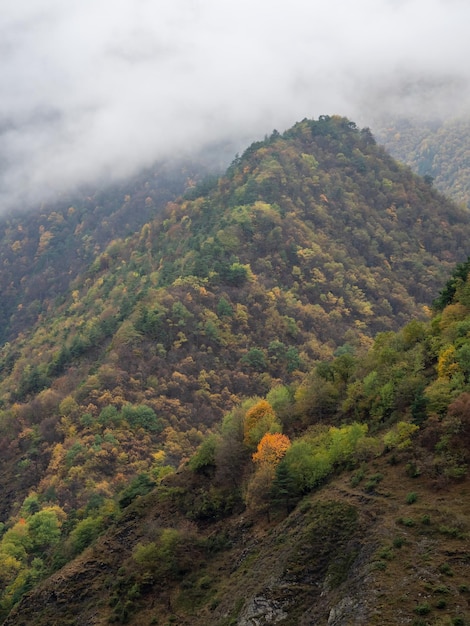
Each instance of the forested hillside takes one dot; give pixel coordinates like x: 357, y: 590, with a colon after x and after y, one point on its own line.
x: 438, y: 150
x: 341, y: 500
x: 230, y: 304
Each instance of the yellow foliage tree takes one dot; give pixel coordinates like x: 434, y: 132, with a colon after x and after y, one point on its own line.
x: 446, y: 364
x: 259, y: 420
x: 400, y: 435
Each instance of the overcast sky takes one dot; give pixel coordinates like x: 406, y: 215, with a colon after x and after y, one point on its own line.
x: 93, y: 88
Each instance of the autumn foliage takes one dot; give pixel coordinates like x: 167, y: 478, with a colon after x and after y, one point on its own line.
x: 259, y: 420
x: 271, y: 449
x: 233, y: 290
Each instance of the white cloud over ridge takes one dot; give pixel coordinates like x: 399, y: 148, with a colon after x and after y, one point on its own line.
x: 98, y: 88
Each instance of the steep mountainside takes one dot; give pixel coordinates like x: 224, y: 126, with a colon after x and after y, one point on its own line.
x: 313, y: 241
x: 362, y: 519
x: 438, y: 149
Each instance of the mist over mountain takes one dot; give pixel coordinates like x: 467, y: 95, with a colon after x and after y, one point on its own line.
x: 204, y: 428
x: 100, y: 90
x: 234, y: 360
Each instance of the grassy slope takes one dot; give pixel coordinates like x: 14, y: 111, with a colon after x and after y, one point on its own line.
x: 342, y: 556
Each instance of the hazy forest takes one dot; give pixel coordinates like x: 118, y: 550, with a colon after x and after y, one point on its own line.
x: 242, y: 397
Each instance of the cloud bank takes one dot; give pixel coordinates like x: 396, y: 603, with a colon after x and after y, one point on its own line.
x: 97, y: 89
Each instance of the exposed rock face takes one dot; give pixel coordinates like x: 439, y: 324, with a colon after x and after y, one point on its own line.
x: 260, y: 611
x: 343, y: 612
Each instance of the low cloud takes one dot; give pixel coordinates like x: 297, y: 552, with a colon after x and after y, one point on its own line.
x: 97, y: 89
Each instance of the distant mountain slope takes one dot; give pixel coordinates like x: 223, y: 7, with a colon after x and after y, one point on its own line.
x: 43, y: 250
x: 313, y: 241
x: 440, y: 150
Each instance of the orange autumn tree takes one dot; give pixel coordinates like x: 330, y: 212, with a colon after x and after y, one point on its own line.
x: 271, y: 449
